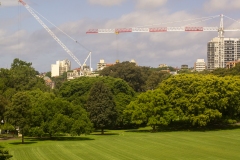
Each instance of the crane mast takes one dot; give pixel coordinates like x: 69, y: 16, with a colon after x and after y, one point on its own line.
x: 50, y: 32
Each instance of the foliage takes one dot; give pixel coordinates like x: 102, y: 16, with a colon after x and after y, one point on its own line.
x: 50, y: 114
x: 202, y: 99
x: 138, y: 77
x: 227, y: 72
x: 101, y: 106
x: 152, y: 108
x: 77, y: 91
x: 128, y: 72
x: 155, y: 78
x: 4, y: 155
x: 20, y: 77
x: 18, y: 113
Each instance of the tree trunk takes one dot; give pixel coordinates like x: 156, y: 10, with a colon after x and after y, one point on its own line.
x: 102, y: 131
x: 154, y: 128
x: 22, y: 137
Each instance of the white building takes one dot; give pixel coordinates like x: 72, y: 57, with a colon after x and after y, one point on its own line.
x: 222, y: 50
x: 199, y: 65
x: 101, y: 65
x: 60, y: 67
x: 162, y: 65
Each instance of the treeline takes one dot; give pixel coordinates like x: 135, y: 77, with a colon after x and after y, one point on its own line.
x: 124, y: 95
x: 139, y: 78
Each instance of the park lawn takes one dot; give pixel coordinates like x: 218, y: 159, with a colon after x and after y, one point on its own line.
x: 124, y: 145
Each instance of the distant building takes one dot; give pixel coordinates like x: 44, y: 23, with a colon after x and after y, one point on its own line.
x: 60, y: 67
x: 232, y: 64
x: 133, y: 61
x: 49, y: 82
x: 79, y: 72
x: 184, y: 66
x: 199, y: 65
x: 162, y: 65
x: 220, y: 53
x: 75, y: 73
x: 101, y: 65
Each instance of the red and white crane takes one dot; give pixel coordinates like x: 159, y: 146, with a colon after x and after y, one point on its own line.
x: 220, y: 29
x: 185, y: 28
x: 54, y: 36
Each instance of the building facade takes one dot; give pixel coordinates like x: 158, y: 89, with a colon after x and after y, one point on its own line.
x: 101, y: 65
x: 220, y: 51
x: 162, y: 65
x: 232, y: 64
x: 199, y: 65
x: 60, y: 67
x: 184, y: 66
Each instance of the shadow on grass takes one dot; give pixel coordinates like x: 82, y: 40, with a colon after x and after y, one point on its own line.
x: 177, y: 128
x: 19, y: 143
x: 139, y: 130
x: 216, y: 127
x: 105, y: 134
x: 60, y: 139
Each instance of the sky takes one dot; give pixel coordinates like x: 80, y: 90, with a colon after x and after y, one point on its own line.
x: 21, y: 36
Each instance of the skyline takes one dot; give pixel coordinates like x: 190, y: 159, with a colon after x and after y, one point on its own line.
x: 21, y: 36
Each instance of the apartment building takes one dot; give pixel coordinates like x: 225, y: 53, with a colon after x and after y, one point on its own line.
x: 220, y: 51
x: 199, y: 65
x: 60, y: 67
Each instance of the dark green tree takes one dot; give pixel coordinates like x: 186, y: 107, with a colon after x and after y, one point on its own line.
x: 101, y: 106
x: 19, y: 112
x: 77, y: 91
x: 155, y: 78
x: 129, y: 72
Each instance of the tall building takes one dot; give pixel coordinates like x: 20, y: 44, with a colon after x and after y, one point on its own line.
x: 221, y: 51
x: 199, y: 65
x: 60, y: 67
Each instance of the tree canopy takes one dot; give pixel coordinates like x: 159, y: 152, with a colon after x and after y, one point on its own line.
x: 101, y: 106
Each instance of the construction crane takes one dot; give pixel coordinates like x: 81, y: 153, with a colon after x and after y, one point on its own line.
x: 54, y: 36
x: 185, y: 28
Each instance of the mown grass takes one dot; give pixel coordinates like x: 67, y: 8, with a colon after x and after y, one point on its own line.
x: 131, y: 144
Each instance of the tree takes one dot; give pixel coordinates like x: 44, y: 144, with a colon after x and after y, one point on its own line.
x: 51, y: 115
x: 3, y: 104
x: 203, y: 99
x: 151, y: 108
x: 101, y: 106
x: 81, y: 122
x: 20, y: 77
x: 19, y: 112
x: 76, y: 91
x: 129, y: 72
x: 155, y: 78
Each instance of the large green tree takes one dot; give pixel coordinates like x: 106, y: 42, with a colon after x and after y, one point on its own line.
x: 129, y: 72
x: 203, y: 99
x: 18, y: 113
x: 51, y: 115
x: 101, y: 106
x: 152, y: 108
x: 77, y: 91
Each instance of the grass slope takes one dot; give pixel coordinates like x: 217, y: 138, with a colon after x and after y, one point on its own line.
x: 124, y: 145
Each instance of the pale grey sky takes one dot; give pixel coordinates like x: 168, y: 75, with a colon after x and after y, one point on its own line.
x: 21, y: 36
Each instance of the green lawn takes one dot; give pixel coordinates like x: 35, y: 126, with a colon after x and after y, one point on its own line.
x: 212, y: 145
